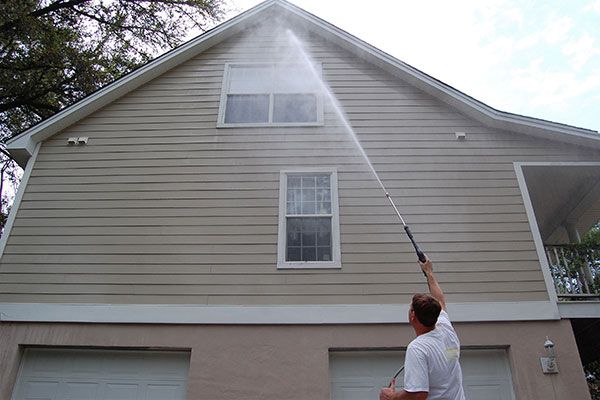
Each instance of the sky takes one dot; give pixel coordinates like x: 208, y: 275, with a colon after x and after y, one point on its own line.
x: 535, y: 58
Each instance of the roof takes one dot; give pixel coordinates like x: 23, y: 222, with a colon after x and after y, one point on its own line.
x: 23, y: 145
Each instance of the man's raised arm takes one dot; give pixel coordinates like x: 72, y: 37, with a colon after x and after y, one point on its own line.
x: 434, y: 286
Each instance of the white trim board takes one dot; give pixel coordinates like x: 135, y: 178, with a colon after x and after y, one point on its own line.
x: 579, y: 309
x: 17, y: 202
x: 537, y: 237
x: 292, y: 314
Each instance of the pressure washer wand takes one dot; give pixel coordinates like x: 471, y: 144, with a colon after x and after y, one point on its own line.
x: 420, y: 254
x: 396, y: 375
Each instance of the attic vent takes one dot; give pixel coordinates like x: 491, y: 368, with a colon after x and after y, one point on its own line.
x: 77, y: 140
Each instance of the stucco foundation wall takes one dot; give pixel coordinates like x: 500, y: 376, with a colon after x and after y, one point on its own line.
x: 291, y: 361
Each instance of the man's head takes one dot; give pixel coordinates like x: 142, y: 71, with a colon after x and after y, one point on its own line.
x: 424, y: 310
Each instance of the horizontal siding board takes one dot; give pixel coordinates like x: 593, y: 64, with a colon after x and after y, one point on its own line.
x: 270, y: 259
x: 163, y: 207
x: 446, y: 230
x: 402, y: 267
x: 250, y: 248
x: 217, y: 220
x: 300, y: 158
x: 308, y: 289
x: 60, y: 237
x: 385, y: 171
x: 265, y: 279
x: 243, y: 211
x: 266, y: 300
x: 357, y: 180
x: 162, y: 203
x: 298, y: 142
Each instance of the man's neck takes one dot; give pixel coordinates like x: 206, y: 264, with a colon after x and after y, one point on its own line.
x: 421, y: 330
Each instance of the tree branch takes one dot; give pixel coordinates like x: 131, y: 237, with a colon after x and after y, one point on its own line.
x: 41, y: 12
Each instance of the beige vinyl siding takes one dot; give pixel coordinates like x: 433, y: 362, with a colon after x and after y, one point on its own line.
x: 163, y: 207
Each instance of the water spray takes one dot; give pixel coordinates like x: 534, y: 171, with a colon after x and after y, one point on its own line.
x: 338, y: 110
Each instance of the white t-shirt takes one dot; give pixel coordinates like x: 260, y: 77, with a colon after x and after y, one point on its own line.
x: 432, y: 363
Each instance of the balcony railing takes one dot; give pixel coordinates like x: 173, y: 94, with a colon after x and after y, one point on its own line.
x: 576, y: 271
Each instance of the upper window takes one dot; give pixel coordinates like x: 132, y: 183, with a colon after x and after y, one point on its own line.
x: 309, y: 221
x: 269, y: 94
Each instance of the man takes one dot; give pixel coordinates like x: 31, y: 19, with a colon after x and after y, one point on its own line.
x: 432, y: 369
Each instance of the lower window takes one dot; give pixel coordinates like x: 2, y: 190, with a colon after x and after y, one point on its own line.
x: 308, y: 220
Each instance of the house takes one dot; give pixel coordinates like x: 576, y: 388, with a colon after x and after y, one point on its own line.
x: 207, y: 228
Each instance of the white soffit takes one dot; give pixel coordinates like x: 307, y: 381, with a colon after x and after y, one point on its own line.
x: 22, y: 145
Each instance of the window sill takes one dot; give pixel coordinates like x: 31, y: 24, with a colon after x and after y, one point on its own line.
x: 309, y: 265
x: 271, y: 125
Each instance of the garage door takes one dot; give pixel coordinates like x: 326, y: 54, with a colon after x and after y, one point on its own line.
x: 53, y: 374
x: 360, y: 375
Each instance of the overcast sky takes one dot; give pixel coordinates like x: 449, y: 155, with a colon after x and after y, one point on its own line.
x: 535, y: 58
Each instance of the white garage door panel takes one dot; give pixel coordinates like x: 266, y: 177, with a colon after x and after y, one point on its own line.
x: 360, y: 375
x: 69, y: 374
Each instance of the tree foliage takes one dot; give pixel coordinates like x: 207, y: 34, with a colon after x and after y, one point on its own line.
x: 55, y: 52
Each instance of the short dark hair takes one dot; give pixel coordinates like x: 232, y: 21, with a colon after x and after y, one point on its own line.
x: 427, y: 309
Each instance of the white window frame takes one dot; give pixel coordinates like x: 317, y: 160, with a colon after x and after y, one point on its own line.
x: 336, y: 252
x: 225, y: 91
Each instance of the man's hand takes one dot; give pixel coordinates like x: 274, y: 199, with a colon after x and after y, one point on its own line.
x: 427, y: 266
x: 388, y: 392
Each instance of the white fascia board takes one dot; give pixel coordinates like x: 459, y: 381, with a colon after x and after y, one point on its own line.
x: 291, y: 314
x: 23, y: 144
x: 468, y: 105
x: 579, y: 309
x: 17, y: 201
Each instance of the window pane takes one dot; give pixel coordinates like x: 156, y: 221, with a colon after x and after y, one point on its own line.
x: 294, y: 254
x: 309, y: 254
x: 250, y: 79
x: 323, y: 181
x: 323, y: 195
x: 294, y: 181
x: 323, y: 208
x: 324, y: 238
x: 295, y: 108
x: 308, y: 181
x: 308, y: 195
x: 309, y: 207
x: 295, y: 79
x: 294, y: 224
x: 294, y: 195
x: 247, y: 108
x: 294, y: 208
x: 314, y: 235
x: 324, y: 253
x: 309, y: 239
x: 294, y: 238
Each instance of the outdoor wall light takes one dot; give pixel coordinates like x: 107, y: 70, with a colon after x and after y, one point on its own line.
x: 549, y: 365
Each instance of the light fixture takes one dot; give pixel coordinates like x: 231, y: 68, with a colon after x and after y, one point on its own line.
x: 460, y: 135
x: 549, y: 365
